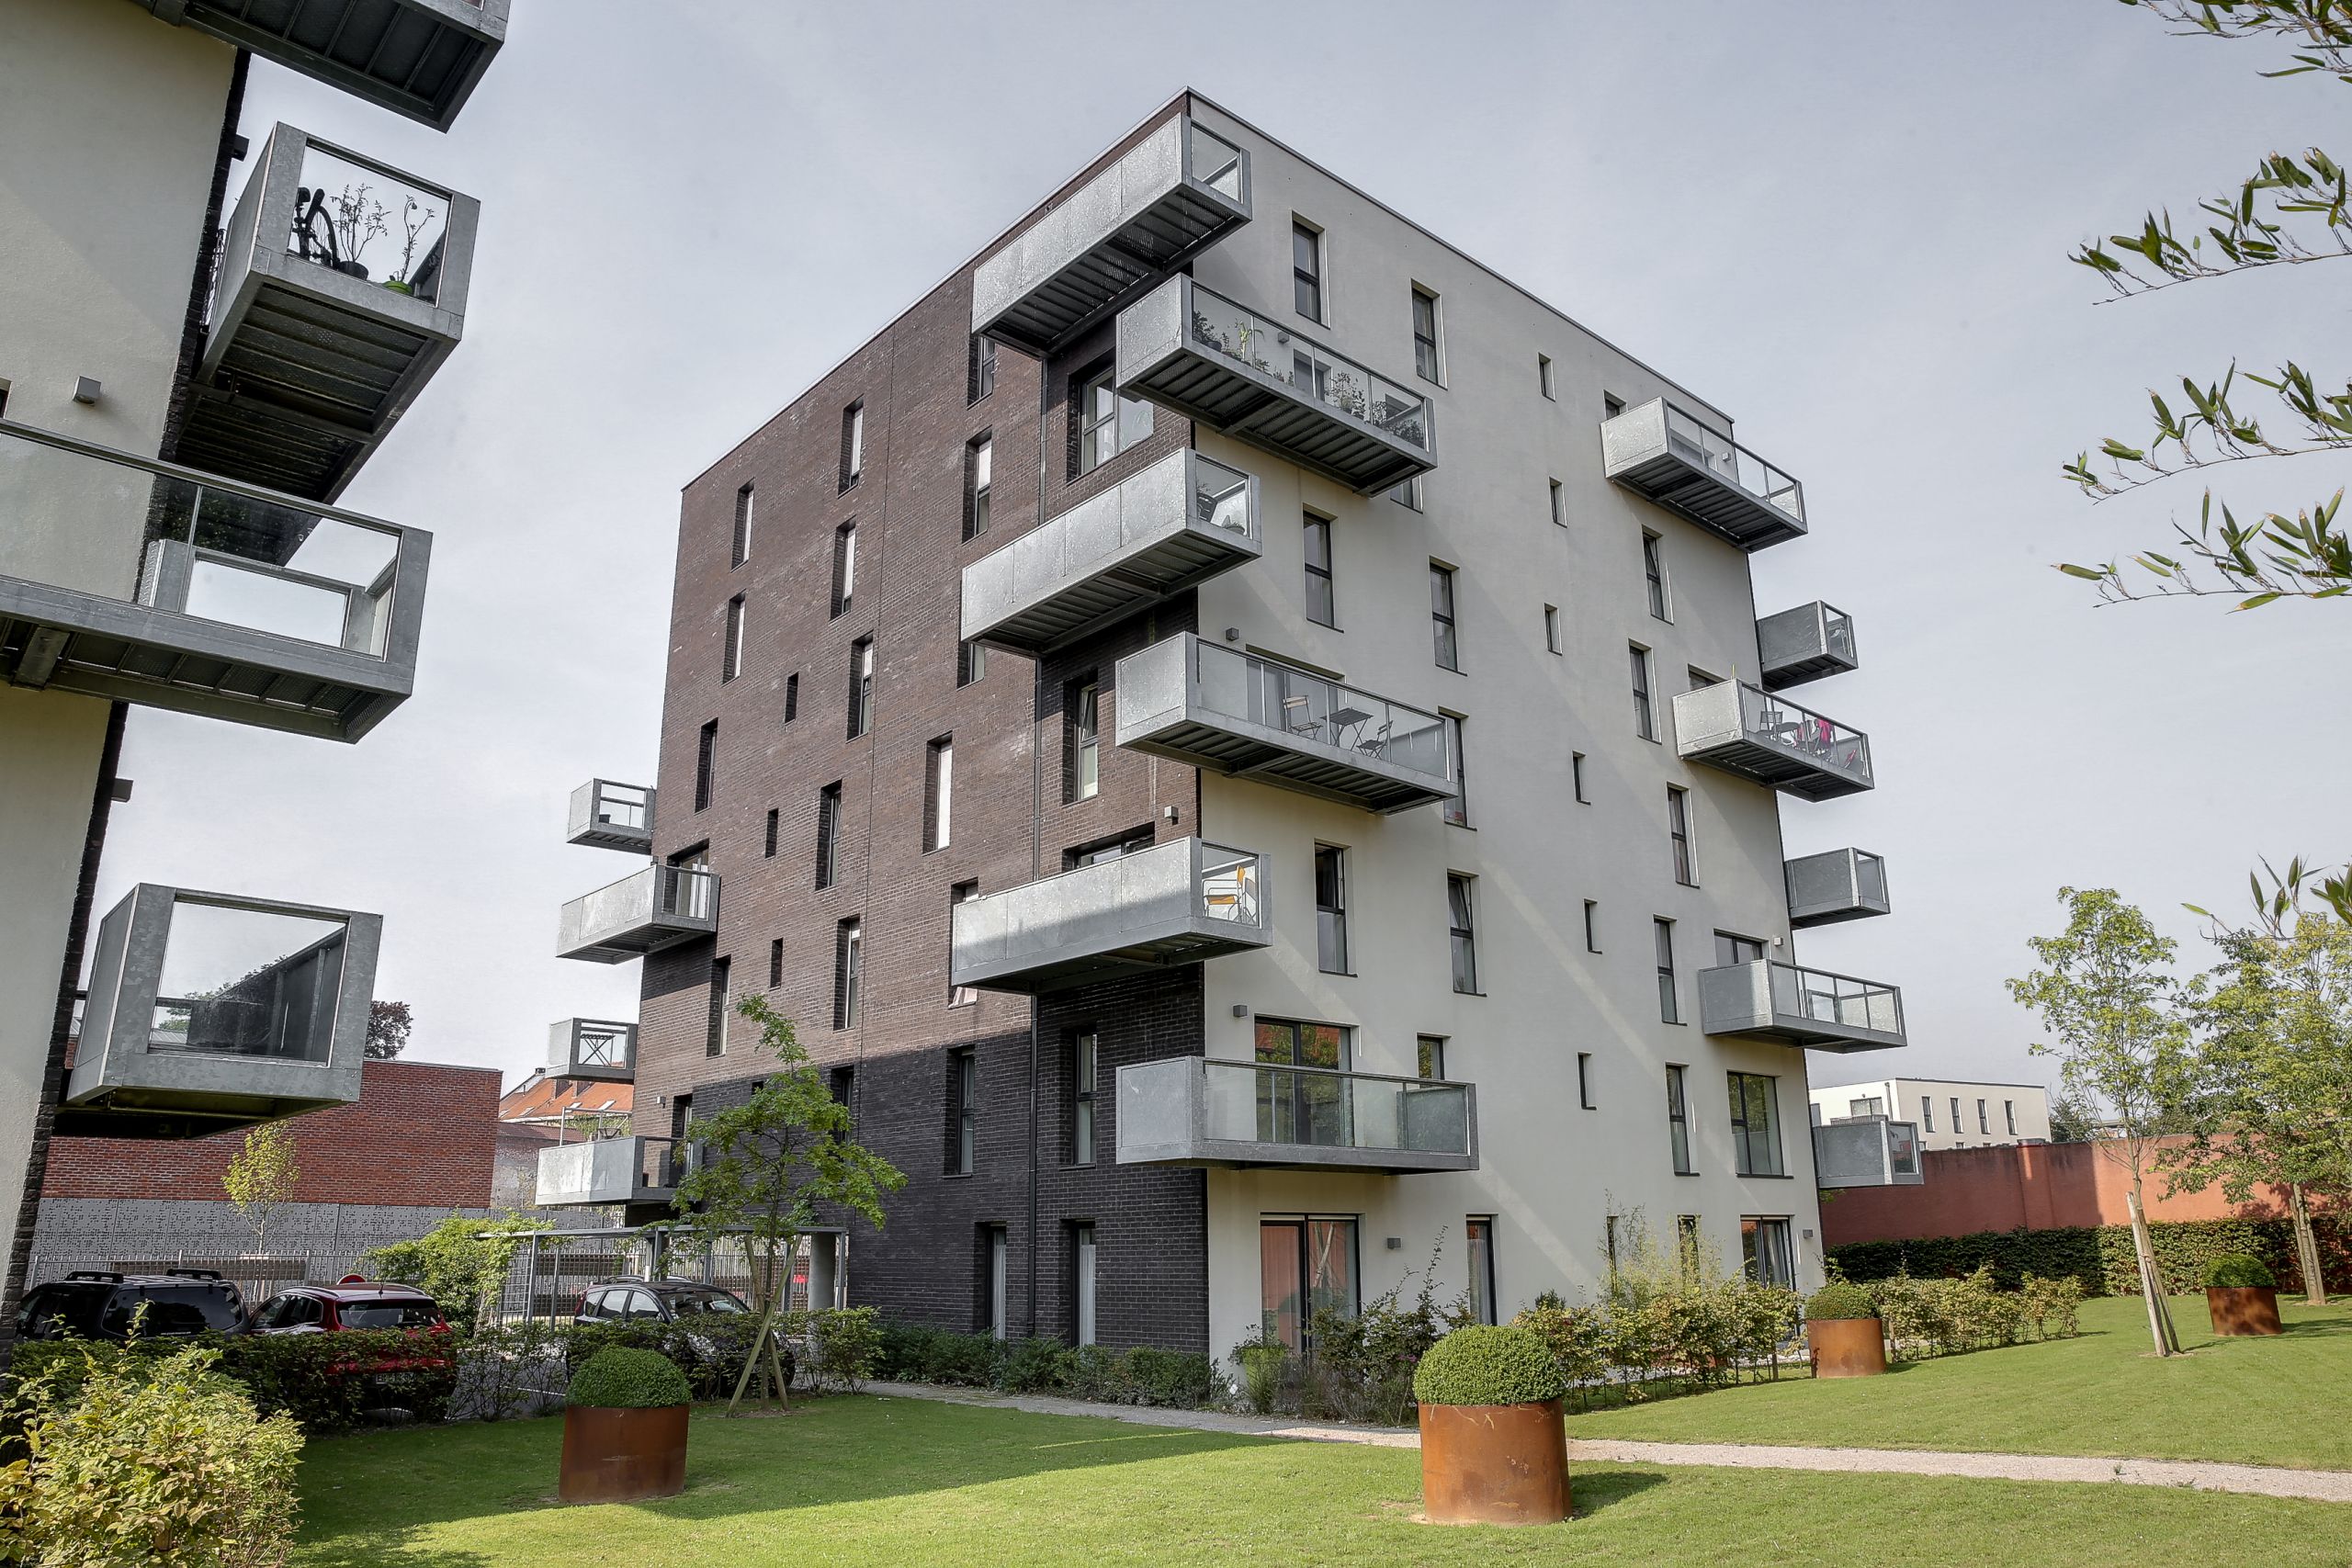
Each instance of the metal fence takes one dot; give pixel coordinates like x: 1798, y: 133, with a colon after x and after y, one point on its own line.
x: 552, y: 1269
x: 259, y: 1276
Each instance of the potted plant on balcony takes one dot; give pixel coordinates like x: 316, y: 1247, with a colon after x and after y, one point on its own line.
x: 2241, y: 1295
x: 624, y: 1428
x: 1494, y: 1449
x: 1843, y: 1333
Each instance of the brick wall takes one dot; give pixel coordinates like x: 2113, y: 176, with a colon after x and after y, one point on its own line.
x: 422, y: 1134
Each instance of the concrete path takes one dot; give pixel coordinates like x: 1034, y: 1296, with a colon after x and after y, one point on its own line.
x: 2318, y: 1485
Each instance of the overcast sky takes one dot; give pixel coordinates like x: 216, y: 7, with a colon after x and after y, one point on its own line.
x: 1846, y: 224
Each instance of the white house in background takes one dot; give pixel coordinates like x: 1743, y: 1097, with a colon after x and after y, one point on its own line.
x: 1951, y: 1113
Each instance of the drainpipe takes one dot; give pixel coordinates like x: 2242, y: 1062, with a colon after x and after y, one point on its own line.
x: 1036, y: 848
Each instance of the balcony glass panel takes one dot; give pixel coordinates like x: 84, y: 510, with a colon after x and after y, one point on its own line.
x: 1734, y: 464
x: 1823, y: 998
x: 629, y: 807
x: 1279, y: 696
x: 368, y: 221
x: 1217, y: 163
x: 1275, y: 349
x: 245, y: 982
x: 1317, y: 1108
x: 1774, y: 721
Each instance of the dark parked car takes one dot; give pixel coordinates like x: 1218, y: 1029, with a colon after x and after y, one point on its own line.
x: 91, y: 1304
x: 714, y: 1325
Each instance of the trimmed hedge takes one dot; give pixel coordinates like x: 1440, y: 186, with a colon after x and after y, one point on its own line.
x: 1839, y: 1300
x: 325, y: 1381
x: 617, y: 1378
x: 909, y: 1352
x: 1490, y: 1364
x: 2236, y: 1271
x: 2101, y: 1256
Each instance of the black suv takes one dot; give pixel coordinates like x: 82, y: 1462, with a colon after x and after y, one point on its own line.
x: 91, y: 1304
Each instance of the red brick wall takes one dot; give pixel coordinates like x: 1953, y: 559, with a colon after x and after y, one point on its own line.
x: 421, y: 1132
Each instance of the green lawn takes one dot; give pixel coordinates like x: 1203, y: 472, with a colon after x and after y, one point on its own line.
x: 909, y: 1483
x: 2280, y: 1401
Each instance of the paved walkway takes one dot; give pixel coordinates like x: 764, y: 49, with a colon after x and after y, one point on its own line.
x: 2320, y: 1486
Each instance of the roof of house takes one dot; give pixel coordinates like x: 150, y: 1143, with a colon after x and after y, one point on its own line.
x: 543, y: 1098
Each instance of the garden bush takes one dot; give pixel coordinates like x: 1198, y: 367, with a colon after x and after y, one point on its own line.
x: 911, y: 1352
x: 2101, y: 1256
x: 844, y: 1345
x: 1175, y: 1379
x: 1488, y: 1364
x: 462, y: 1263
x: 325, y: 1382
x: 617, y: 1378
x: 1925, y: 1317
x: 2236, y: 1270
x: 1840, y: 1298
x: 2051, y: 1306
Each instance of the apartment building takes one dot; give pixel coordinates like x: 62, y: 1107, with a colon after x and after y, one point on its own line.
x: 1244, y: 742
x: 203, y: 336
x: 1950, y: 1113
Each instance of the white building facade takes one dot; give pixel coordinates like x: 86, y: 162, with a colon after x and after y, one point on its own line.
x: 1951, y: 1113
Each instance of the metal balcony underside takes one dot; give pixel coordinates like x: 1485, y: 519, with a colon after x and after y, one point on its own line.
x: 1222, y: 394
x: 1158, y: 571
x: 1809, y: 643
x: 1766, y: 764
x: 1224, y: 746
x: 638, y: 915
x: 1062, y: 972
x: 1694, y: 492
x: 417, y: 58
x: 1179, y: 903
x: 1767, y: 999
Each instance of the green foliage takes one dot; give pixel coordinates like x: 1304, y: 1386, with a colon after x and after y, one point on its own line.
x: 1488, y: 1364
x: 914, y: 1352
x: 2237, y: 1271
x: 261, y: 1175
x: 845, y: 1344
x: 462, y: 1263
x: 909, y: 1352
x: 323, y: 1383
x: 146, y: 1460
x: 1174, y: 1378
x: 1840, y: 1298
x: 711, y: 1350
x: 1032, y: 1366
x: 1266, y: 1366
x: 1949, y: 1315
x: 617, y: 1378
x: 2098, y: 1259
x: 2052, y: 1306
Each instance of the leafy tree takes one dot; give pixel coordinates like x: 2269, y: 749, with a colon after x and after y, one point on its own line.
x: 261, y: 1175
x: 2106, y: 993
x: 764, y: 1167
x: 387, y: 1027
x: 2073, y: 1119
x: 461, y: 1262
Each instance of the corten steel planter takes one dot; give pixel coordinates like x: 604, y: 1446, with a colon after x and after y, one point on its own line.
x: 1846, y: 1347
x: 1494, y: 1464
x: 2242, y: 1309
x: 623, y: 1456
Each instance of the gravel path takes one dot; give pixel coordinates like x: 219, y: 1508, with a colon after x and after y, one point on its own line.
x: 2318, y: 1485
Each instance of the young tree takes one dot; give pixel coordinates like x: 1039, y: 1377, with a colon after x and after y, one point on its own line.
x: 2107, y: 995
x: 261, y: 1175
x: 387, y: 1027
x: 765, y: 1168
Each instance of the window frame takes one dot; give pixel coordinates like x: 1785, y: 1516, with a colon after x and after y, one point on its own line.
x: 971, y: 663
x: 959, y: 893
x: 849, y: 971
x: 1559, y: 505
x: 1331, y: 956
x: 1744, y: 1132
x: 738, y: 549
x: 845, y: 568
x: 1669, y: 990
x: 1656, y: 582
x: 979, y: 479
x: 1462, y: 932
x: 861, y: 688
x: 792, y: 696
x: 721, y: 984
x: 705, y: 764
x: 1591, y: 927
x: 1552, y: 630
x: 829, y: 835
x: 1576, y: 778
x: 1310, y: 293
x: 1082, y: 719
x: 853, y: 466
x: 730, y: 658
x: 1429, y: 346
x: 1678, y: 1118
x: 1085, y: 1071
x: 963, y: 1109
x: 1584, y: 1081
x: 1544, y: 382
x: 1429, y: 1052
x: 1445, y: 637
x: 1644, y: 693
x: 1678, y: 833
x: 979, y: 369
x: 1479, y: 1247
x: 1320, y: 581
x: 939, y: 794
x: 1457, y: 808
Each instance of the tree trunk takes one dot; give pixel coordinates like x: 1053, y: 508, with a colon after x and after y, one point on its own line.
x: 2299, y: 1210
x: 2152, y: 1284
x: 761, y: 1353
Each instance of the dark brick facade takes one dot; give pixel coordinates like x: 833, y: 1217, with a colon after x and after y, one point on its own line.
x: 1013, y: 821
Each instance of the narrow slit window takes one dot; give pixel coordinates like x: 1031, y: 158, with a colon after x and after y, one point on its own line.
x: 740, y: 551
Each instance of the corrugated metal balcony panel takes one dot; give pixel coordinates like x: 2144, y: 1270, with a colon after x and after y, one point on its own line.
x: 1839, y: 885
x: 1768, y: 999
x: 417, y: 58
x: 211, y: 1012
x: 604, y: 1170
x: 1744, y: 730
x: 1193, y: 1110
x: 1804, y: 644
x: 1867, y: 1151
x: 321, y: 333
x: 599, y: 1049
x: 1259, y: 382
x: 1178, y: 903
x: 658, y: 906
x: 608, y: 814
x: 1170, y: 196
x: 1169, y: 527
x: 1669, y: 455
x: 1243, y: 715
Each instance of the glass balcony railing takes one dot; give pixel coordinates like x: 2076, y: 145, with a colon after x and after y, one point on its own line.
x: 1775, y: 721
x: 1693, y: 442
x: 1173, y: 902
x: 1823, y: 998
x: 1775, y: 1000
x: 1675, y: 458
x: 1320, y: 1109
x: 1760, y: 735
x: 651, y: 909
x: 349, y: 215
x: 1326, y: 712
x: 1276, y: 349
x: 602, y: 1049
x: 611, y: 816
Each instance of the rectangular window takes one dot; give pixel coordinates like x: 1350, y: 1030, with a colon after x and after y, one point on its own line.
x: 1755, y: 1126
x: 963, y: 1109
x: 939, y: 793
x: 1081, y: 1292
x: 1559, y: 505
x: 1302, y: 1108
x: 1955, y: 1113
x: 1331, y: 909
x: 1698, y: 679
x: 791, y: 696
x: 1591, y: 925
x: 1611, y: 405
x: 852, y: 442
x: 1083, y: 1052
x: 1576, y: 777
x: 715, y: 1027
x: 1457, y: 804
x: 1551, y: 628
x: 860, y: 686
x: 1687, y: 1251
x: 1305, y: 1266
x: 1654, y: 574
x: 1306, y: 269
x: 1732, y: 948
x: 1441, y: 617
x: 1870, y: 1106
x: 1677, y: 1121
x: 979, y: 458
x: 1677, y: 832
x: 1644, y: 711
x: 1764, y: 1250
x: 1669, y: 1004
x: 1085, y: 728
x: 1928, y: 1113
x: 1319, y: 606
x: 979, y: 369
x: 1107, y: 423
x: 1543, y: 374
x: 971, y: 662
x: 1983, y: 1123
x: 730, y: 662
x: 1428, y: 1056
x: 849, y: 970
x: 1479, y: 1240
x: 775, y: 963
x: 1425, y: 347
x: 829, y: 835
x: 962, y: 893
x: 1465, y: 944
x: 844, y: 567
x: 775, y: 822
x: 2009, y: 1113
x: 1584, y: 1080
x: 996, y: 1266
x: 1407, y: 494
x: 705, y: 764
x: 740, y: 551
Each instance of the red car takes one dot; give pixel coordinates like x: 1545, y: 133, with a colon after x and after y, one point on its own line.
x: 366, y: 1305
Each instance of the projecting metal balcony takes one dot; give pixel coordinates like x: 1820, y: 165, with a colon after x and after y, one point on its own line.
x: 209, y: 1011
x: 599, y: 1171
x: 1261, y: 381
x: 1867, y: 1151
x: 1174, y: 194
x: 418, y: 58
x: 1744, y: 730
x: 1237, y: 713
x: 596, y: 1048
x: 1841, y: 884
x: 341, y: 290
x: 1672, y: 458
x: 1770, y: 1001
x: 250, y: 605
x: 1172, y: 904
x: 1804, y: 644
x: 658, y: 906
x: 1193, y: 1110
x: 608, y: 816
x: 1167, y: 528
